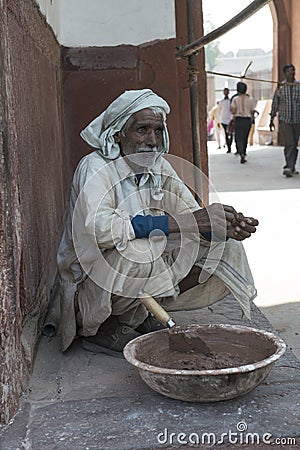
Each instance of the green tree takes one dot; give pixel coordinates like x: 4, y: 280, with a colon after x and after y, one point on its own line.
x: 211, y: 50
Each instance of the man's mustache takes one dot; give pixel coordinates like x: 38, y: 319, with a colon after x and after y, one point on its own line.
x: 148, y: 149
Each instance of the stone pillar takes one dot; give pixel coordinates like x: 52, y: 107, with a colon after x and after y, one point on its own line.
x: 13, y: 370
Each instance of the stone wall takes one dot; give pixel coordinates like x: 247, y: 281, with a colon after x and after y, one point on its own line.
x: 33, y: 187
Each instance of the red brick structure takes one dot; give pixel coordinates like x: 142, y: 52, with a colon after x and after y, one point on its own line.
x: 33, y: 187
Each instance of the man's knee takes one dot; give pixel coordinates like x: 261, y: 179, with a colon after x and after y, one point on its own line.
x: 190, y: 280
x: 200, y: 296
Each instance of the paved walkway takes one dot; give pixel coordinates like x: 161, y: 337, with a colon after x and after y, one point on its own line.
x: 81, y: 401
x: 258, y: 188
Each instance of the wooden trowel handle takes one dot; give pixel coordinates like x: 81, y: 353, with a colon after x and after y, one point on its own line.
x: 158, y: 311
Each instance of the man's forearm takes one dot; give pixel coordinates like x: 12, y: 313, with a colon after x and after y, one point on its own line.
x: 184, y: 223
x: 274, y: 107
x: 198, y: 222
x: 215, y: 222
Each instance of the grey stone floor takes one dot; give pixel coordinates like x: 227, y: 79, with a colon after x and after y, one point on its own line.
x: 81, y: 401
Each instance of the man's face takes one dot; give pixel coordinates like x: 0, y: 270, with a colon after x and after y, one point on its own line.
x: 226, y: 92
x: 290, y: 74
x: 141, y: 140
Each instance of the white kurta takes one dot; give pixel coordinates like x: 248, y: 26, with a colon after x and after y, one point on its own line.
x: 99, y: 256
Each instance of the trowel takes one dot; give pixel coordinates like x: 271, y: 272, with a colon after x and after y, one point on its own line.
x: 179, y: 340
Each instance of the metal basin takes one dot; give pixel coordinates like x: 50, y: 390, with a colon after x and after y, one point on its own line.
x: 251, y: 351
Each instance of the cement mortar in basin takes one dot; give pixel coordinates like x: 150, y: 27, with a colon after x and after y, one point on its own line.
x: 241, y: 358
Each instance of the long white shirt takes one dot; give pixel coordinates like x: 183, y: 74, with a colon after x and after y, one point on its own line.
x: 98, y: 231
x: 243, y: 106
x: 224, y: 111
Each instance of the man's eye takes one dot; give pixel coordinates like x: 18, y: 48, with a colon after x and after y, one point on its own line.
x: 159, y: 131
x: 141, y: 130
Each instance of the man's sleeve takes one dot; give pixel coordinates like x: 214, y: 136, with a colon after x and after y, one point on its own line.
x: 96, y: 214
x: 275, y: 104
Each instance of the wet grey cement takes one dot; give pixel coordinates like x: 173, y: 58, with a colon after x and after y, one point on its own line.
x: 80, y: 401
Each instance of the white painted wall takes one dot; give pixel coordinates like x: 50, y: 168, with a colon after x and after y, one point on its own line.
x: 83, y: 23
x: 50, y: 9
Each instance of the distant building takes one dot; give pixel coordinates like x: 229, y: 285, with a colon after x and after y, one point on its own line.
x: 261, y: 68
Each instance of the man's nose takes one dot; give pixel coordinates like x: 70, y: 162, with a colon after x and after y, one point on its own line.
x: 151, y: 139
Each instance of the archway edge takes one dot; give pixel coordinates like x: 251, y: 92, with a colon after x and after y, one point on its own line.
x: 282, y: 35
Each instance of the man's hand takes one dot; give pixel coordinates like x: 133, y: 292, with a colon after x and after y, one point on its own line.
x: 222, y: 221
x: 271, y: 125
x: 242, y: 227
x: 215, y: 218
x: 226, y: 222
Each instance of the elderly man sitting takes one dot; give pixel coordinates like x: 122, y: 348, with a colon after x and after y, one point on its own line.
x: 133, y: 226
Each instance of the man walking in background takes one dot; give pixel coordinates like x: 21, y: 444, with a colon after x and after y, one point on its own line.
x: 225, y: 117
x: 286, y: 101
x: 242, y: 108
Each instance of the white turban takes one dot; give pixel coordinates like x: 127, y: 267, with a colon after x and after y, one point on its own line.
x: 100, y: 132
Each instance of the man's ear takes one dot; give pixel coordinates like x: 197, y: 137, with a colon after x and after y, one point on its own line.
x: 117, y: 137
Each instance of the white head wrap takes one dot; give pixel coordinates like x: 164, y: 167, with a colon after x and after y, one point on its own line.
x: 100, y: 132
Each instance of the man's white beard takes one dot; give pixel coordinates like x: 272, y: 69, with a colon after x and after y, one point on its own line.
x: 146, y: 157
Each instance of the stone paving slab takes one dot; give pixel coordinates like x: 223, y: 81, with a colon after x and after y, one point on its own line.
x: 151, y: 421
x: 81, y: 401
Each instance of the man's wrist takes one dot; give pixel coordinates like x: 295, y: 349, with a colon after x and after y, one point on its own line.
x: 173, y: 225
x: 210, y: 236
x: 194, y: 222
